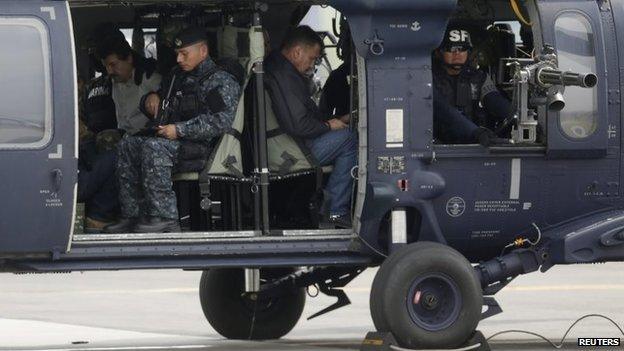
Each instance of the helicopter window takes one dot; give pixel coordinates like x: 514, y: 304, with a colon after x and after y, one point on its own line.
x: 148, y: 41
x: 513, y: 27
x: 575, y: 46
x: 25, y: 99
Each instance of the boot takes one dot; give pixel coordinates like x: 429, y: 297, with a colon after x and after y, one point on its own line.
x: 94, y: 226
x: 341, y: 221
x: 124, y: 225
x: 158, y: 225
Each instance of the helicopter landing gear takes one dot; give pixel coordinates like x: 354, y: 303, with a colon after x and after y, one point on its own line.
x: 428, y: 296
x: 239, y: 315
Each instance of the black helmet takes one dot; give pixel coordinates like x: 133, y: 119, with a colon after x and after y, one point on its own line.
x: 456, y: 39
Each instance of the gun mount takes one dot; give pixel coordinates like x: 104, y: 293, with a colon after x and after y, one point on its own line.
x: 539, y: 82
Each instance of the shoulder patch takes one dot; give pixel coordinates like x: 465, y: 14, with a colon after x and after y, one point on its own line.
x: 215, y: 101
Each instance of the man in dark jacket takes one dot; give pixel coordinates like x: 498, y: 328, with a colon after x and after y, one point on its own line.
x: 466, y: 101
x: 327, y: 137
x: 199, y: 100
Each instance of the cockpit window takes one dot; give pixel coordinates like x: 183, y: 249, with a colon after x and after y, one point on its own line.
x: 25, y: 99
x: 575, y: 47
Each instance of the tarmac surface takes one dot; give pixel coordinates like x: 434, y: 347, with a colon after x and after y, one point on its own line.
x: 160, y: 310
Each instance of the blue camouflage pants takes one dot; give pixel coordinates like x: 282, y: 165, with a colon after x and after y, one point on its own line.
x: 144, y: 170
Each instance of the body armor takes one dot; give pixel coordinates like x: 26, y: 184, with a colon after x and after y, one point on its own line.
x: 99, y: 107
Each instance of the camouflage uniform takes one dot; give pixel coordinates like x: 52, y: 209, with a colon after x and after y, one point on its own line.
x: 146, y: 164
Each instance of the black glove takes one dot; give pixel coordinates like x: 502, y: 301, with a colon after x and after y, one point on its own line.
x: 486, y: 137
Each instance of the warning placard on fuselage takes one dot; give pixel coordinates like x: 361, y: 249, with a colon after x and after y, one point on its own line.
x: 497, y: 206
x: 394, y: 128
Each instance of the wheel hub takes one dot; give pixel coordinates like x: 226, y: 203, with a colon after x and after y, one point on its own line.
x: 430, y: 301
x: 435, y: 301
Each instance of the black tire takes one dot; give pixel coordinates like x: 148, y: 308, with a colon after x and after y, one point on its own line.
x: 232, y: 315
x: 428, y: 296
x: 376, y: 307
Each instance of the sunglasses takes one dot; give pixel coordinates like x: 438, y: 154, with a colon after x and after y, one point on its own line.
x: 455, y: 49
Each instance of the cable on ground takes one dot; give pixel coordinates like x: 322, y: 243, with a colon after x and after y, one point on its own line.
x: 561, y: 342
x: 553, y: 344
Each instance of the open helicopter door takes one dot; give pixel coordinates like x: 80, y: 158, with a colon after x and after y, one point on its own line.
x: 577, y: 31
x: 37, y: 127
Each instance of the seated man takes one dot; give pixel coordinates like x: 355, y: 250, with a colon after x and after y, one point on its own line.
x: 132, y: 76
x: 199, y: 101
x: 328, y: 138
x: 466, y: 101
x: 109, y: 106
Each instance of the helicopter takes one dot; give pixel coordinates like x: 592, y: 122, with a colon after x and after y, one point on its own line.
x: 449, y: 225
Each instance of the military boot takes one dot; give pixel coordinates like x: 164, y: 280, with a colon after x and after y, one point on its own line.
x: 94, y: 226
x: 158, y: 225
x: 124, y: 225
x: 341, y: 221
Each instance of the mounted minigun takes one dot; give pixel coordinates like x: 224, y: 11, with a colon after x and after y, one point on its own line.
x: 539, y: 82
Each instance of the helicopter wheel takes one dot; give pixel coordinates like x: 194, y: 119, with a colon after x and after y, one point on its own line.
x: 428, y: 296
x: 236, y: 315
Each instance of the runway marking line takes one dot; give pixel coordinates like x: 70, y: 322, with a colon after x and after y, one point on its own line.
x: 122, y: 348
x: 578, y: 287
x: 120, y: 291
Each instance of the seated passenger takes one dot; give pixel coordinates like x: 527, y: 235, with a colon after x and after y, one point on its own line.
x: 466, y: 101
x: 328, y: 138
x: 99, y: 107
x: 111, y: 103
x: 132, y: 76
x: 201, y: 100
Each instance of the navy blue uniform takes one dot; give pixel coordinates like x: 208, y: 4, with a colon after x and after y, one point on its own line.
x: 202, y: 106
x: 463, y: 103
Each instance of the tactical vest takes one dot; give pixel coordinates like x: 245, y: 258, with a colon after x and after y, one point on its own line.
x: 99, y: 107
x: 186, y: 104
x: 465, y: 95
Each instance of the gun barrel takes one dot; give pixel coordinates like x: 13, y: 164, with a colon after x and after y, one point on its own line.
x: 549, y: 76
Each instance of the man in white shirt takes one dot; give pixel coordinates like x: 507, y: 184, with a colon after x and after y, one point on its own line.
x: 132, y: 77
x: 128, y: 77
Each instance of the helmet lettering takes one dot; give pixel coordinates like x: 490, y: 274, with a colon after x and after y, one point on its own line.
x: 457, y: 35
x: 454, y: 35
